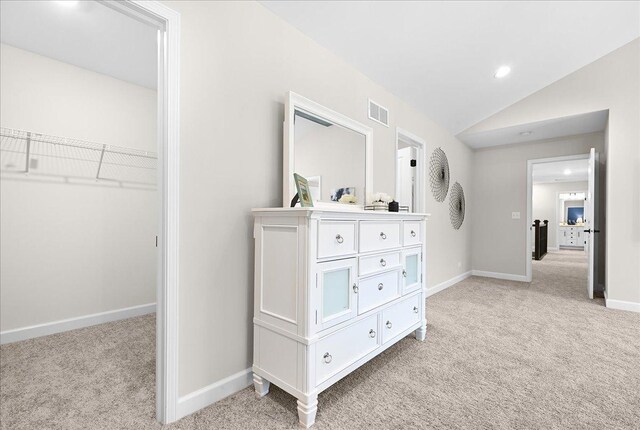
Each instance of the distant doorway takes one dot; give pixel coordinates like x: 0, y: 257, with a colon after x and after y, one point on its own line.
x: 562, y: 211
x: 409, y: 171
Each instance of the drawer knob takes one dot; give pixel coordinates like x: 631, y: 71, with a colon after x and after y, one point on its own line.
x: 413, y: 233
x: 389, y: 325
x: 383, y: 236
x: 355, y: 288
x: 380, y: 286
x: 404, y: 273
x: 372, y: 333
x: 327, y: 358
x: 382, y: 262
x: 415, y: 309
x: 339, y: 239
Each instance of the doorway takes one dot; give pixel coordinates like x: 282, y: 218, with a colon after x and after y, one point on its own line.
x: 562, y: 214
x: 410, y: 150
x: 111, y: 169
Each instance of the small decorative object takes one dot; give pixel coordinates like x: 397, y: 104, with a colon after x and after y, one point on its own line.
x: 439, y: 174
x: 394, y: 206
x: 348, y: 199
x: 339, y: 192
x: 456, y: 206
x: 303, y: 191
x: 381, y: 201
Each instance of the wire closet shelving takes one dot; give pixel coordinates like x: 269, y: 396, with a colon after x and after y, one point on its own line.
x: 26, y: 152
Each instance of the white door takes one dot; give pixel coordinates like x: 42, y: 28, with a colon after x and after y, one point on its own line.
x: 405, y: 178
x: 591, y: 222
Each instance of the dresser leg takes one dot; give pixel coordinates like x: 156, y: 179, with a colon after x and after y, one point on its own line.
x: 261, y: 385
x: 421, y: 333
x: 307, y: 411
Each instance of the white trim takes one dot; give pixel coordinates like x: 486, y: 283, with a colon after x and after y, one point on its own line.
x: 61, y: 326
x: 295, y: 101
x: 622, y: 305
x: 168, y: 94
x: 496, y: 275
x: 528, y: 271
x: 210, y: 394
x: 421, y: 148
x: 446, y: 284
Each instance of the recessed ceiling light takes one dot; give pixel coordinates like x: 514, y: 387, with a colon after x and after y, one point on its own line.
x: 68, y: 3
x: 567, y: 171
x: 502, y: 72
x: 526, y: 133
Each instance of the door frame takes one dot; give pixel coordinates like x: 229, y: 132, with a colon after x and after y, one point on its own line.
x: 167, y: 21
x: 530, y: 164
x: 421, y: 146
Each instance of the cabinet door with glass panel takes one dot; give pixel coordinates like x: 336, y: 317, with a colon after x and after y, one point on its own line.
x: 412, y: 270
x: 336, y: 292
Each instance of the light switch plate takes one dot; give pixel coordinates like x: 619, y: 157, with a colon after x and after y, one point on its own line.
x: 515, y: 215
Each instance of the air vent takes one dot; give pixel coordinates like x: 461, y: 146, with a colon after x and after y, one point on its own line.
x: 378, y: 113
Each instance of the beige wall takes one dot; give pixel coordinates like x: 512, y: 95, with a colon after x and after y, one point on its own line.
x: 545, y: 205
x: 73, y: 249
x: 500, y: 188
x: 237, y: 61
x: 612, y: 82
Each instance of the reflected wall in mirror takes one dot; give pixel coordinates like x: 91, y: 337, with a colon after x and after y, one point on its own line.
x: 331, y: 157
x: 332, y: 151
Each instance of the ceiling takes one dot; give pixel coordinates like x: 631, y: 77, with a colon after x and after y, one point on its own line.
x: 549, y: 129
x: 85, y: 34
x: 441, y: 56
x: 561, y: 171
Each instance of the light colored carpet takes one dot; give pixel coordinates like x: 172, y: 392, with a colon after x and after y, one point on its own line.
x: 498, y: 355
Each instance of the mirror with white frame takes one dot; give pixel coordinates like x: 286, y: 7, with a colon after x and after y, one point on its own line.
x: 330, y: 150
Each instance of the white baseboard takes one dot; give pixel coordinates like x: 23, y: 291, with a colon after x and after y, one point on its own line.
x: 552, y: 248
x: 210, y: 394
x: 496, y: 275
x: 448, y: 283
x: 622, y: 305
x: 45, y: 329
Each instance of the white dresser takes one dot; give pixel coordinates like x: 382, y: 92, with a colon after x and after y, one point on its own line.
x: 571, y: 236
x: 333, y: 289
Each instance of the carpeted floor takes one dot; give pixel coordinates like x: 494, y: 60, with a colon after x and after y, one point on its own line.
x: 498, y: 355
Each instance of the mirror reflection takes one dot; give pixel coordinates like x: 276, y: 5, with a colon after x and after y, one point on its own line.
x: 331, y: 157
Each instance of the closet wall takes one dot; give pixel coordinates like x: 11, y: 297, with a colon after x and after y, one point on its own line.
x: 71, y: 249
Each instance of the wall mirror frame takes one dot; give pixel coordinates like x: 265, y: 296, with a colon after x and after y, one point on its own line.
x: 295, y: 102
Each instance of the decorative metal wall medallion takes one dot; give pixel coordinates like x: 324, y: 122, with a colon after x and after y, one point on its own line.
x: 456, y: 205
x: 439, y: 174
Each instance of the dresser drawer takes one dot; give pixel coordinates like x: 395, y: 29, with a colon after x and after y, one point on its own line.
x: 336, y: 238
x: 400, y: 317
x: 378, y: 290
x: 379, y: 235
x: 412, y: 233
x: 342, y: 348
x: 377, y: 263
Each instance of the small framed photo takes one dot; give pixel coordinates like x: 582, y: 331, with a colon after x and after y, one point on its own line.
x: 304, y: 194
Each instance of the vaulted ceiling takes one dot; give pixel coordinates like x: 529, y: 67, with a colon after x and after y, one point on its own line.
x: 441, y: 56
